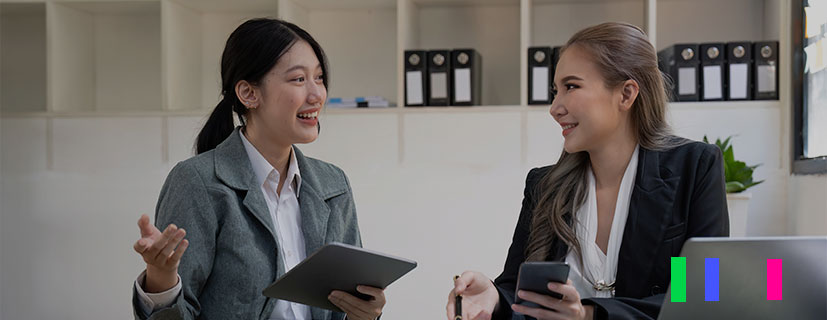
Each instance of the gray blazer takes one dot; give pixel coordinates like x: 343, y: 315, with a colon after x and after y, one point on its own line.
x: 233, y: 251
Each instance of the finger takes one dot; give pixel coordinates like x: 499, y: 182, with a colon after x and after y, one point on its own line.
x: 337, y: 297
x: 377, y: 294
x: 335, y: 302
x: 567, y: 290
x: 359, y: 305
x: 155, y: 250
x: 166, y: 252
x: 464, y: 281
x: 141, y: 245
x: 179, y: 252
x: 449, y: 307
x: 536, y: 313
x: 146, y: 227
x: 541, y: 299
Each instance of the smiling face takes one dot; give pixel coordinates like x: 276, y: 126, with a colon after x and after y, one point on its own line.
x: 588, y: 112
x: 287, y: 102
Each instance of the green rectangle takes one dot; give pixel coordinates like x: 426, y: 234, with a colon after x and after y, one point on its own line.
x: 678, y: 279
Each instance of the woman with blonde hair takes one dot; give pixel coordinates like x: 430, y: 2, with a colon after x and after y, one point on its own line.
x: 620, y: 201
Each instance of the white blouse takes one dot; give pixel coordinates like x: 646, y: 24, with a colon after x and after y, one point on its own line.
x: 597, y: 278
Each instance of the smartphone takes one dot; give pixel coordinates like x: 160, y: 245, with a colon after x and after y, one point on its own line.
x: 535, y: 276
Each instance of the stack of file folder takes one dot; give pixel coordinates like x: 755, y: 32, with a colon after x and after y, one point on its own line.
x: 722, y: 71
x: 443, y: 77
x: 358, y: 102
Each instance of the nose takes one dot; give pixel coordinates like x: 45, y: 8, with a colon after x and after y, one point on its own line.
x: 316, y: 93
x: 557, y: 109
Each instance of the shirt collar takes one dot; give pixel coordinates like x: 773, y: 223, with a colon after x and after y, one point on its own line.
x: 262, y: 168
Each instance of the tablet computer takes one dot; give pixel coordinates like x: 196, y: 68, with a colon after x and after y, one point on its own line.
x: 337, y: 266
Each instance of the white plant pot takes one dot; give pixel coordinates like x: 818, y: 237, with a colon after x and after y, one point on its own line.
x: 738, y: 204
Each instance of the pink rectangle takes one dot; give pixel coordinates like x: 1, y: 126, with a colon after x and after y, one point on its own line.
x: 774, y: 273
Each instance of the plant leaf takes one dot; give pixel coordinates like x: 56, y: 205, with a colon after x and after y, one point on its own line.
x: 734, y: 187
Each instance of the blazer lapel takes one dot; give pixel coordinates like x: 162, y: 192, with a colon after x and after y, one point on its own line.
x: 315, y: 213
x: 313, y: 206
x: 649, y: 208
x: 233, y: 167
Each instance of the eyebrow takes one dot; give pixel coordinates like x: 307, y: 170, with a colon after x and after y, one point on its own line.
x: 298, y: 67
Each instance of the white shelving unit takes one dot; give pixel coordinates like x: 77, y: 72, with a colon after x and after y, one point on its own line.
x: 115, y: 56
x: 23, y: 57
x: 103, y: 55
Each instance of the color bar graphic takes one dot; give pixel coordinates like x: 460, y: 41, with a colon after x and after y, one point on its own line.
x: 711, y: 282
x: 774, y: 273
x: 678, y: 279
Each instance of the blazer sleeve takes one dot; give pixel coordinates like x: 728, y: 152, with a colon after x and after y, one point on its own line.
x: 185, y: 201
x: 708, y: 217
x: 506, y: 283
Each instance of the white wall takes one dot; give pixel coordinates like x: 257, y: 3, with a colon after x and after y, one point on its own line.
x: 808, y: 205
x: 442, y: 188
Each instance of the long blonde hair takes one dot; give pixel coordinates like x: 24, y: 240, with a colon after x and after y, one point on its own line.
x: 622, y: 52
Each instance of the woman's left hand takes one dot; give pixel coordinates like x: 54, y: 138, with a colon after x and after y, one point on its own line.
x: 358, y: 309
x: 567, y: 308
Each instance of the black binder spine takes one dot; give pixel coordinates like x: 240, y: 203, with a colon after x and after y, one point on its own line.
x: 542, y: 60
x: 739, y: 71
x: 681, y: 62
x: 713, y: 84
x: 416, y: 65
x: 766, y: 70
x: 439, y: 77
x: 466, y: 77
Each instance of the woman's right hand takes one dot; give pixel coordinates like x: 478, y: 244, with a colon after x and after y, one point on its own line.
x: 162, y: 252
x: 479, y: 296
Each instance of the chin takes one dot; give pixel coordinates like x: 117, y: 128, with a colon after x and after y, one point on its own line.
x: 571, y: 147
x: 308, y: 138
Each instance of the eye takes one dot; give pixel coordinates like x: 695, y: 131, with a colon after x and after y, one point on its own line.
x: 298, y: 79
x: 571, y: 86
x: 320, y: 78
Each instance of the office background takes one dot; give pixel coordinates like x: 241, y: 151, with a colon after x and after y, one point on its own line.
x: 100, y: 99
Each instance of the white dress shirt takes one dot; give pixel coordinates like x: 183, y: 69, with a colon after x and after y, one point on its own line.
x: 285, y: 214
x: 596, y: 277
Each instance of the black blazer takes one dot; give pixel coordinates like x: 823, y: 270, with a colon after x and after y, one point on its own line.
x: 678, y: 194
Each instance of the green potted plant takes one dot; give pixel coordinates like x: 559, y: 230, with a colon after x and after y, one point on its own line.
x: 738, y: 177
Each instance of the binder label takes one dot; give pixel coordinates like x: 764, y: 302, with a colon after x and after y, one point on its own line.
x: 766, y: 78
x: 712, y: 82
x: 686, y: 81
x: 539, y: 83
x: 462, y: 85
x: 413, y: 87
x: 439, y: 85
x: 738, y: 81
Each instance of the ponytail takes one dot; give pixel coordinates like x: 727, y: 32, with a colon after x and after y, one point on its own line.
x: 218, y: 127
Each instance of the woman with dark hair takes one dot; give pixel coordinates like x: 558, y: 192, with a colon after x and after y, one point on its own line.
x: 252, y: 204
x: 621, y: 200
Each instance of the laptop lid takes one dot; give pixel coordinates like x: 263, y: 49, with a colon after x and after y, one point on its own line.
x: 743, y: 276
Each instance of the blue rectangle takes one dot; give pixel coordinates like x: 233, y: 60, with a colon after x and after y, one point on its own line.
x: 711, y: 275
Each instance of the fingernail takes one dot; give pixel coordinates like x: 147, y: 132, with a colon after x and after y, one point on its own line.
x: 521, y: 293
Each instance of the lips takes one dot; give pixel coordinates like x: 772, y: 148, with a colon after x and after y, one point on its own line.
x: 309, y: 117
x: 568, y: 128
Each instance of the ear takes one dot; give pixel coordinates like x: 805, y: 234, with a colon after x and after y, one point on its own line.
x: 628, y: 93
x: 247, y: 94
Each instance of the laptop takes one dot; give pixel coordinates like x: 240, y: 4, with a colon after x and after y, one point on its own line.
x: 743, y: 277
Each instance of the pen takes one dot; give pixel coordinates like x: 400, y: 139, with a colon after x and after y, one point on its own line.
x: 457, y: 304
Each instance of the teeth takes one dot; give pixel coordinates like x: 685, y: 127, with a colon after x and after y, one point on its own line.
x: 569, y: 126
x: 309, y: 115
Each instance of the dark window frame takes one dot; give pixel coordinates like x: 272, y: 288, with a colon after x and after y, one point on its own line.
x: 801, y: 164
